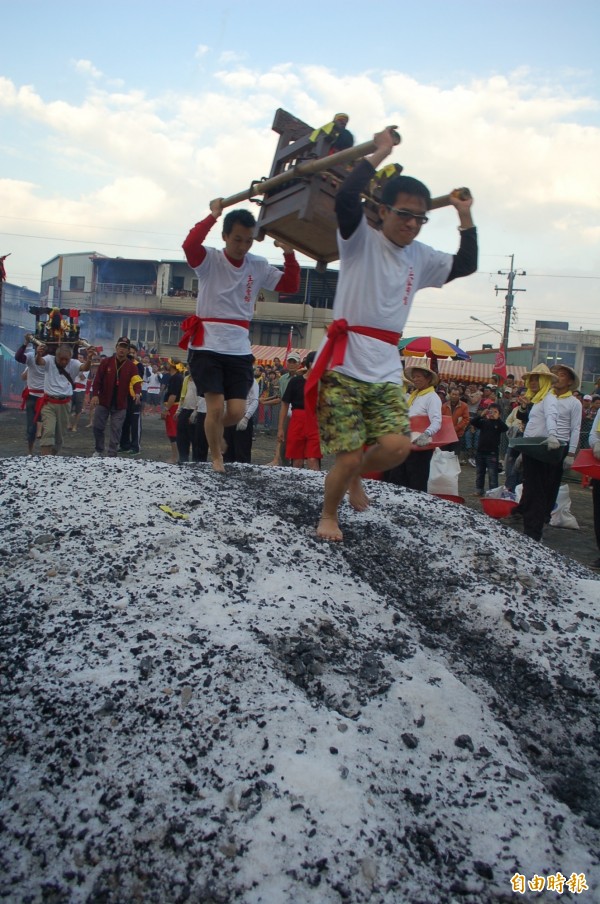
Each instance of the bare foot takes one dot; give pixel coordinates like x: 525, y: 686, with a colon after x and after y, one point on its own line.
x: 218, y: 466
x: 273, y: 464
x: 357, y: 497
x: 329, y: 529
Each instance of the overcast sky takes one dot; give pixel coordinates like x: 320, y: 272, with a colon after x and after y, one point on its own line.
x: 119, y: 122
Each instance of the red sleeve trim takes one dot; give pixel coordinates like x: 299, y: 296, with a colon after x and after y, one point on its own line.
x: 290, y: 281
x: 193, y: 246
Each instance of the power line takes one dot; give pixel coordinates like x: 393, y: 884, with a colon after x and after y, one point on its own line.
x: 559, y: 276
x: 57, y: 238
x: 86, y: 226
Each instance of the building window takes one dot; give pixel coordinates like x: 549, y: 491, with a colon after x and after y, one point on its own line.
x: 170, y: 332
x: 554, y: 355
x: 139, y: 329
x: 77, y: 284
x: 591, y: 364
x: 277, y: 334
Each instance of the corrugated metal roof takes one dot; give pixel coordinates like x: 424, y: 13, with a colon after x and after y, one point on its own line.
x: 266, y: 353
x: 449, y: 370
x: 473, y: 371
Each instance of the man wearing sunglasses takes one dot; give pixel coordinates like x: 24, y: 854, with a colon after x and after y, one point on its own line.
x: 360, y: 398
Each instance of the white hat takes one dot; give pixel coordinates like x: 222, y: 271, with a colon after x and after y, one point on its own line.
x: 425, y: 368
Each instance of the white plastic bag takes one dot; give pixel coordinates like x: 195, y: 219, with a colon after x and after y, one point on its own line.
x: 500, y: 493
x: 561, y: 513
x: 443, y: 474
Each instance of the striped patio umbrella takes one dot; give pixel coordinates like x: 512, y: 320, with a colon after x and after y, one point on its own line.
x: 432, y: 347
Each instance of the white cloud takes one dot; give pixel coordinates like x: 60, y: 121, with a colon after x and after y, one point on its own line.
x: 525, y: 147
x: 229, y: 56
x: 201, y: 50
x: 87, y: 68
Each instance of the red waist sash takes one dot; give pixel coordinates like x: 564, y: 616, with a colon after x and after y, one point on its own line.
x: 45, y: 400
x: 193, y: 328
x: 34, y: 393
x: 332, y: 355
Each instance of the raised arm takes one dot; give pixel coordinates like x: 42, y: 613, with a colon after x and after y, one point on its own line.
x: 290, y: 281
x: 465, y: 260
x: 193, y: 246
x: 348, y: 203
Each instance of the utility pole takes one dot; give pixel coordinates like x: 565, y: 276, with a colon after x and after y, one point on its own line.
x: 509, y: 298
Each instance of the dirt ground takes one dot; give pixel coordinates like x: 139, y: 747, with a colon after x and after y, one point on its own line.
x: 577, y: 544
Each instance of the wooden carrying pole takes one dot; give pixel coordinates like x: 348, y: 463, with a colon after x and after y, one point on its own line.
x: 310, y: 167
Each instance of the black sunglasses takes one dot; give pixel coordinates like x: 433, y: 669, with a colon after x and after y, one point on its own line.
x: 407, y: 215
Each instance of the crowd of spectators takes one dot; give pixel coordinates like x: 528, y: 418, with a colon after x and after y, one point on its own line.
x: 485, y: 416
x: 510, y: 398
x: 465, y: 402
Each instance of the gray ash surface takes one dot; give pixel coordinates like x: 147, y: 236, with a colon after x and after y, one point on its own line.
x: 222, y: 708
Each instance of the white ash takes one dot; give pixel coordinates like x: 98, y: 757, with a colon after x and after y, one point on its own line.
x: 223, y: 708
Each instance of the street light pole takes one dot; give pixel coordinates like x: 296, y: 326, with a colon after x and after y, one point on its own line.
x: 494, y: 329
x: 489, y: 326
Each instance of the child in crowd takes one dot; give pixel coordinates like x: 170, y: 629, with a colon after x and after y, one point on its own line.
x: 491, y: 427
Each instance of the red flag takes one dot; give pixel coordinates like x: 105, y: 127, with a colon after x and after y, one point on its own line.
x: 499, y: 367
x: 289, y: 345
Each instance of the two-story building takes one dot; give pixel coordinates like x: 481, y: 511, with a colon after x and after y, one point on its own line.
x: 555, y: 343
x: 16, y: 321
x: 147, y: 300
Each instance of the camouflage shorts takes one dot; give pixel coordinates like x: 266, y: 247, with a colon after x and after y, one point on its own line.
x: 353, y: 414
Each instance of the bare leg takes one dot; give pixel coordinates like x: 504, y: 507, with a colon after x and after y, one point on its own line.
x: 276, y: 463
x: 345, y: 467
x: 345, y: 475
x: 357, y: 496
x: 213, y: 427
x: 217, y: 418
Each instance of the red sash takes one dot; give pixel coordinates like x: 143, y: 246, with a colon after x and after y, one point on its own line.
x: 193, y: 328
x: 45, y: 400
x: 333, y: 354
x: 34, y: 393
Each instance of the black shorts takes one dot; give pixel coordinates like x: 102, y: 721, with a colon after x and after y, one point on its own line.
x: 231, y: 376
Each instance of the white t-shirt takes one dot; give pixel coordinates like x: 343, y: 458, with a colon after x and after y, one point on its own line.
x: 376, y: 287
x: 154, y: 384
x: 54, y: 382
x: 230, y: 292
x: 36, y: 375
x: 568, y: 421
x: 543, y: 417
x: 429, y: 405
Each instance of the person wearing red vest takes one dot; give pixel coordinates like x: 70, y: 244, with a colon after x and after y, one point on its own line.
x: 360, y: 400
x: 110, y: 394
